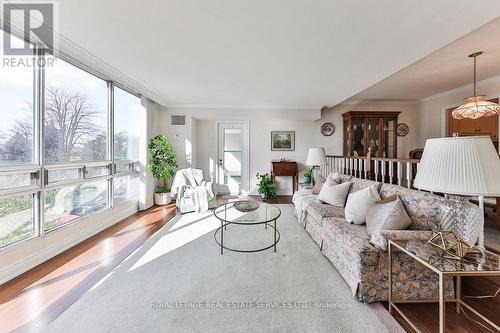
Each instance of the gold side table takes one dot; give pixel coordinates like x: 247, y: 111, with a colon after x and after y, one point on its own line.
x: 472, y: 265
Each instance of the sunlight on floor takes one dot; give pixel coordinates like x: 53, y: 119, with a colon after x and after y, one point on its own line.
x: 186, y: 228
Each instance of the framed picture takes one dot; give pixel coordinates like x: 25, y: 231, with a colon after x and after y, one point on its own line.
x: 283, y: 140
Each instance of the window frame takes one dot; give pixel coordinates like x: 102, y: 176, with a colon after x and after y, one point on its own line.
x: 38, y: 165
x: 133, y: 164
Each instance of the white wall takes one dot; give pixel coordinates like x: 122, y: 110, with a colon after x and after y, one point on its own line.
x: 431, y: 120
x: 262, y: 122
x: 181, y: 137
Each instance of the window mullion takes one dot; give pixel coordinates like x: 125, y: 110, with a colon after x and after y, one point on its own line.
x: 111, y: 140
x: 38, y: 137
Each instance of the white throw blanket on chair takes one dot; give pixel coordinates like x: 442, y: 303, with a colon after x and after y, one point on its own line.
x: 191, y: 182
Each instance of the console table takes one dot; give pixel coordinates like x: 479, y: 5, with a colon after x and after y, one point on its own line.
x: 285, y: 168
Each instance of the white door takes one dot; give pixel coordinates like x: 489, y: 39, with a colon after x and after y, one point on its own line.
x: 232, y: 158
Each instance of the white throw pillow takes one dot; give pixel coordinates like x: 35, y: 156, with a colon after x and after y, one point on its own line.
x: 358, y: 202
x: 388, y: 214
x: 334, y: 194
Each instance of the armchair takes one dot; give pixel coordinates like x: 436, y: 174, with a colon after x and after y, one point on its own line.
x: 189, y: 178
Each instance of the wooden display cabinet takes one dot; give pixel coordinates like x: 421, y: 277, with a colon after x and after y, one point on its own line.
x: 376, y: 129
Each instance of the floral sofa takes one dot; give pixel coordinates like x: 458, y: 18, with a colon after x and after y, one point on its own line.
x: 363, y: 266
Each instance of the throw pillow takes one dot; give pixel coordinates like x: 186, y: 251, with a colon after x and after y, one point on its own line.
x: 358, y: 202
x: 334, y: 194
x: 335, y: 176
x: 318, y: 184
x: 388, y: 214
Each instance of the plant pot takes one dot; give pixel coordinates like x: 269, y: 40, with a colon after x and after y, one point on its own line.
x: 162, y: 199
x: 307, y: 179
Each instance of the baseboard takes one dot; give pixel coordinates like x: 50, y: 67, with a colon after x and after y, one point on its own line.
x: 10, y: 272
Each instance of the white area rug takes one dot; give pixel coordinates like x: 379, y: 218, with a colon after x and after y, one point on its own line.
x: 178, y: 282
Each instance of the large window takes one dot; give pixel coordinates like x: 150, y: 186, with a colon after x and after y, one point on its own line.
x: 16, y: 111
x: 75, y: 114
x: 16, y: 219
x: 51, y: 180
x: 69, y: 203
x: 126, y: 144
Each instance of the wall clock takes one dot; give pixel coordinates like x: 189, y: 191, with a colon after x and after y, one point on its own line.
x: 327, y: 129
x: 402, y: 129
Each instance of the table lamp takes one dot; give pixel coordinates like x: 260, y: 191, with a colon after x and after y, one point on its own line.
x: 316, y: 157
x: 461, y: 167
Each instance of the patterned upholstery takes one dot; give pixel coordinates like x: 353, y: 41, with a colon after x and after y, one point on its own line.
x: 321, y: 210
x: 362, y: 265
x: 423, y: 208
x: 359, y: 184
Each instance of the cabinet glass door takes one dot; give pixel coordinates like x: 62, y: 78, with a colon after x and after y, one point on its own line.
x: 358, y: 137
x: 389, y: 149
x: 373, y: 136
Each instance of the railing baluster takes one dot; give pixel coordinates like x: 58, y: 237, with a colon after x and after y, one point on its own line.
x: 391, y: 171
x: 383, y: 171
x: 408, y: 174
x: 365, y: 162
x: 400, y: 173
x: 355, y: 162
x: 376, y: 169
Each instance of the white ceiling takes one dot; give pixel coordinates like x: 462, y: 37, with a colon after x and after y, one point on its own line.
x: 277, y: 53
x: 445, y: 69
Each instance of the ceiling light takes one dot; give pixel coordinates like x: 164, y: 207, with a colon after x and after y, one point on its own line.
x: 476, y: 106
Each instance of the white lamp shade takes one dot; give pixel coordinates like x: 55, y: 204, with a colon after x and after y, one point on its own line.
x: 316, y: 156
x: 460, y: 165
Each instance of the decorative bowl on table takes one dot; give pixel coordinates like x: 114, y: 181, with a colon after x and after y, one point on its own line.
x: 246, y: 206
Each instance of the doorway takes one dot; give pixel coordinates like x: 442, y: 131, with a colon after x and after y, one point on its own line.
x: 232, y: 158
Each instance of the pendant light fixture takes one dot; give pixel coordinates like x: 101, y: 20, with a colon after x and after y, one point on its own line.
x: 476, y: 106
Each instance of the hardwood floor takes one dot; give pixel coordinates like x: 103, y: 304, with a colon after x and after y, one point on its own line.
x: 425, y: 316
x: 36, y: 298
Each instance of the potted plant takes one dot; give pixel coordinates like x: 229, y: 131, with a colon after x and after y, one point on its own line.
x: 267, y: 188
x: 307, y: 176
x: 161, y: 163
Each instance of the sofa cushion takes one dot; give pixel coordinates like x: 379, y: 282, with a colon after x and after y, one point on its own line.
x: 344, y: 178
x: 349, y: 241
x: 318, y: 184
x: 423, y: 208
x: 319, y: 211
x: 359, y: 184
x: 358, y: 203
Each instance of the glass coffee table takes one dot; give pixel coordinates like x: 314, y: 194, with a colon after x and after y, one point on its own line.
x: 247, y: 213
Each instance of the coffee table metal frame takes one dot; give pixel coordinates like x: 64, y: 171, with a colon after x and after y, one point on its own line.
x: 224, y: 223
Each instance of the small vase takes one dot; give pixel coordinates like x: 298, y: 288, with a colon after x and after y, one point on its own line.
x: 307, y: 180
